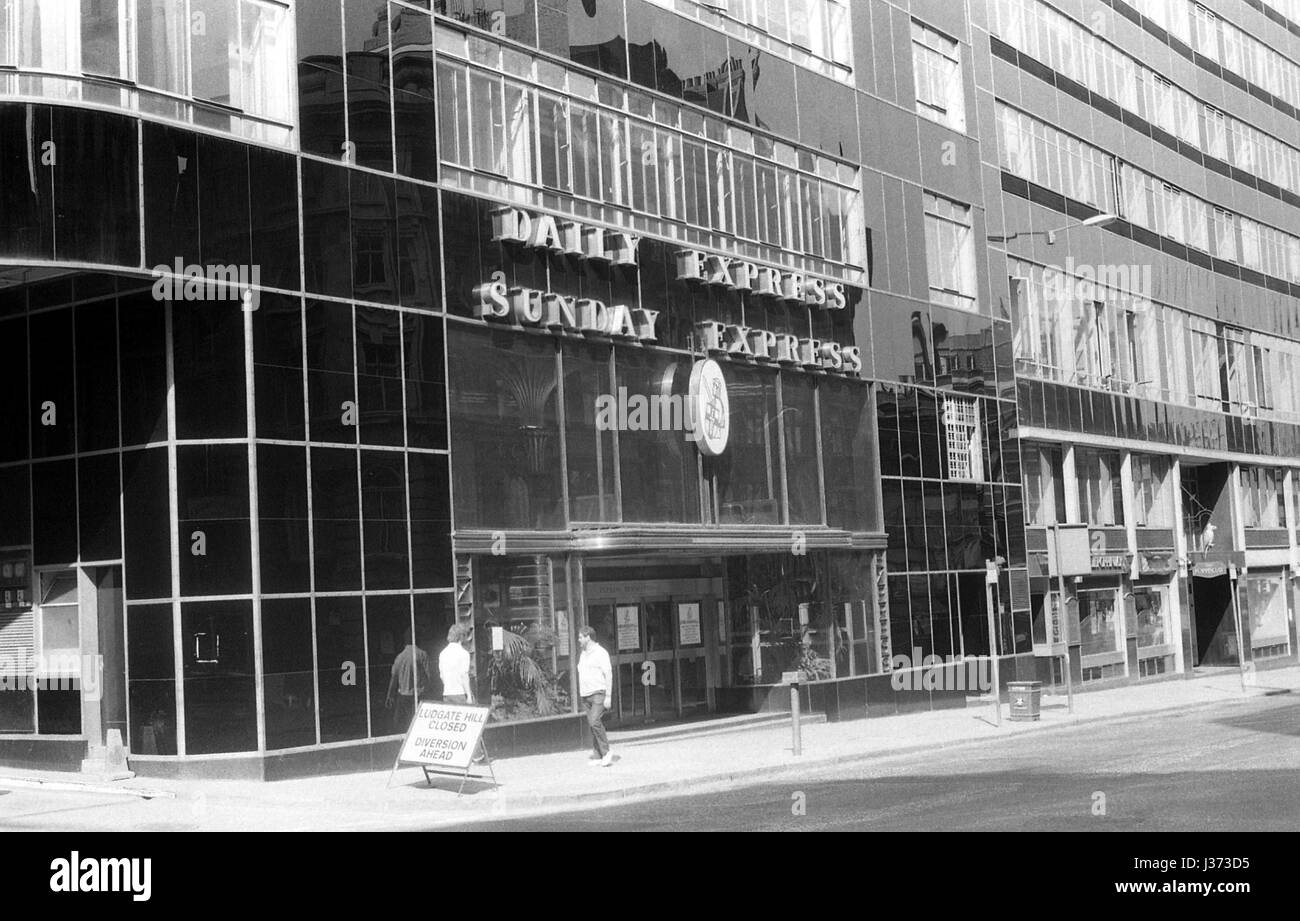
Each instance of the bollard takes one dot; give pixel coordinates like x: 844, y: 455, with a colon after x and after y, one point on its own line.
x: 793, y: 679
x: 794, y: 718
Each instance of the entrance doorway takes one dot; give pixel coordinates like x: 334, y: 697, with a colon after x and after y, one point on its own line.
x: 1216, y: 632
x: 656, y: 644
x: 70, y: 650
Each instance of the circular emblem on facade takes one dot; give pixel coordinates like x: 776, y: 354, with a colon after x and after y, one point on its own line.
x: 710, y: 411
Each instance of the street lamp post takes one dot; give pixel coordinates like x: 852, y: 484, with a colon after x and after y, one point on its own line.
x: 990, y: 580
x: 1065, y: 630
x: 1097, y: 220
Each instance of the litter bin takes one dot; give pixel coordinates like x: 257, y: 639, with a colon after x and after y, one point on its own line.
x: 1026, y: 700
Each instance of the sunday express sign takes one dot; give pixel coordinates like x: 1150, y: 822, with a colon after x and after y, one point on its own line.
x: 443, y: 735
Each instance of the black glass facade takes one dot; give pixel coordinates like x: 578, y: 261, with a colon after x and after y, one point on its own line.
x: 293, y: 391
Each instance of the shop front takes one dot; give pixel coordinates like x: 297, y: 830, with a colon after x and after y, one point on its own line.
x: 671, y: 446
x: 1100, y: 598
x: 1152, y: 632
x: 688, y: 634
x: 1266, y: 615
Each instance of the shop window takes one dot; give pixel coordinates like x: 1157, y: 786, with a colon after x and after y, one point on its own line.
x: 1098, y: 624
x: 519, y: 650
x: 1266, y: 603
x: 1151, y: 620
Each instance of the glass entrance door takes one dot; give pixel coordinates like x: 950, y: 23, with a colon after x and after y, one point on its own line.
x: 658, y: 654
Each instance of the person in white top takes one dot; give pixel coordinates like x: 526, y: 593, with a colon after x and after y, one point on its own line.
x: 596, y: 688
x: 453, y: 667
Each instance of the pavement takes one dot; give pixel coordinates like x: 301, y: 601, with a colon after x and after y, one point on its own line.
x: 707, y: 757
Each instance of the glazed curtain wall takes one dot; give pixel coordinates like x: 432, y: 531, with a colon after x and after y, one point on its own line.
x: 100, y: 490
x: 1040, y: 31
x: 367, y: 96
x: 669, y: 163
x: 70, y: 192
x: 658, y: 50
x: 220, y: 64
x: 513, y: 432
x: 1107, y: 334
x: 1041, y: 154
x: 349, y: 421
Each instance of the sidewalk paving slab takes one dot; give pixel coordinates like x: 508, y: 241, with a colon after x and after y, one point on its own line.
x: 678, y: 765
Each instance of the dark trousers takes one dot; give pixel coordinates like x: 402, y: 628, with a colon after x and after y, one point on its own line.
x: 596, y: 720
x: 403, y: 712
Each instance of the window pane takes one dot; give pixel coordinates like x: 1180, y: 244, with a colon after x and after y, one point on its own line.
x: 264, y: 57
x: 803, y: 469
x: 504, y: 418
x: 287, y: 671
x: 216, y: 51
x: 104, y: 48
x: 220, y: 697
x: 749, y: 472
x: 657, y: 462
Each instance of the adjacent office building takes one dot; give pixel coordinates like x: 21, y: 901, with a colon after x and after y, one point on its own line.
x: 748, y: 333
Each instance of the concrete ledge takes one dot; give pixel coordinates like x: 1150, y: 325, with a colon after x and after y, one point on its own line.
x: 43, y: 753
x: 504, y: 740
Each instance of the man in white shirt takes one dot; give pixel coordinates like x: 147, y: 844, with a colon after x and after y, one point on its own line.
x: 596, y: 688
x: 453, y: 667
